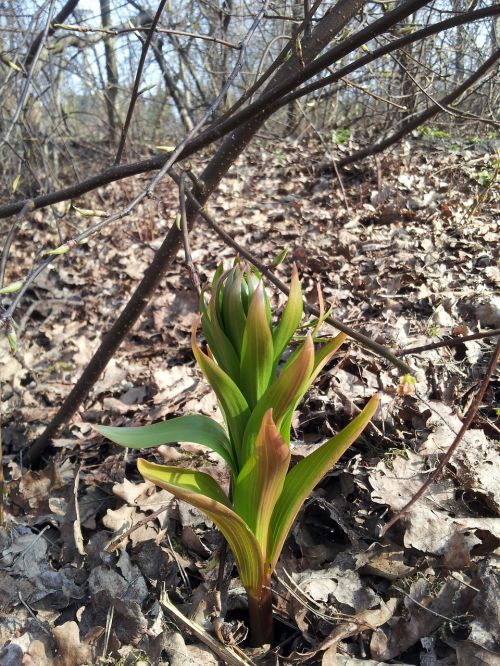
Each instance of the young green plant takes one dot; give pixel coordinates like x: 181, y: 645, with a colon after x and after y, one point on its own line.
x: 259, y: 383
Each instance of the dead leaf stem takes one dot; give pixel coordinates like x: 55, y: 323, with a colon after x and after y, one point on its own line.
x: 429, y: 610
x: 230, y: 655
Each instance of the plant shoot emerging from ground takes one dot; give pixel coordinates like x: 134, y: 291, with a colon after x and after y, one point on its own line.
x: 259, y: 382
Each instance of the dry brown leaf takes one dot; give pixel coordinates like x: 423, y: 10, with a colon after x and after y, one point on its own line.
x: 384, y: 561
x: 471, y: 654
x: 369, y: 619
x: 72, y: 651
x: 36, y: 655
x: 426, y: 612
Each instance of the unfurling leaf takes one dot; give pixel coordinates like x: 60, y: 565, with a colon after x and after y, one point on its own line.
x: 280, y: 258
x: 256, y: 350
x: 15, y: 184
x: 62, y: 249
x: 233, y: 404
x: 89, y: 212
x: 12, y: 288
x: 290, y: 319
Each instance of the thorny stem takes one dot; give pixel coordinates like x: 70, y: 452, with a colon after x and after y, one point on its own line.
x: 474, y: 408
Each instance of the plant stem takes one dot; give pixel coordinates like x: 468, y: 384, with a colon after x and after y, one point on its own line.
x: 260, y: 609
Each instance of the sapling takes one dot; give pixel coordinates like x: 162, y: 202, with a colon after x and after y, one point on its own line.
x: 259, y: 382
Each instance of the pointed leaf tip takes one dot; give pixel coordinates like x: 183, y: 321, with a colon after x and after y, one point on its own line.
x: 306, y: 474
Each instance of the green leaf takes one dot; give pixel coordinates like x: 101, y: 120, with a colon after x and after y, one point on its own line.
x: 279, y: 396
x: 232, y: 309
x: 203, y: 492
x: 252, y: 283
x: 290, y: 319
x: 321, y: 358
x: 232, y: 402
x: 306, y: 474
x: 260, y: 482
x: 194, y: 428
x: 257, y: 350
x: 280, y: 258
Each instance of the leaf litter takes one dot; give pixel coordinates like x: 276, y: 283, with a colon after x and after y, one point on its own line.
x: 411, y: 261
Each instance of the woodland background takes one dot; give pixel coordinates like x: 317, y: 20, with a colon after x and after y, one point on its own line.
x: 362, y: 138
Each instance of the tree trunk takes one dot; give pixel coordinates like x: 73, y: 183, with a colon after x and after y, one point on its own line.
x: 111, y: 74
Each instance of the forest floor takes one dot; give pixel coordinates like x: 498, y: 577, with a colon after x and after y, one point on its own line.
x: 406, y: 251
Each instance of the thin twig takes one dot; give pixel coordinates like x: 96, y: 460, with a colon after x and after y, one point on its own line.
x: 182, y: 573
x: 193, y: 274
x: 274, y: 65
x: 421, y: 88
x: 29, y: 76
x: 429, y: 610
x: 330, y: 155
x: 353, y: 84
x: 28, y: 206
x: 450, y: 342
x: 473, y: 409
x: 37, y: 620
x: 113, y: 545
x: 135, y: 90
x: 115, y: 32
x: 308, y: 603
x: 229, y: 655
